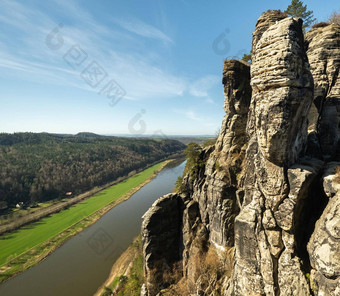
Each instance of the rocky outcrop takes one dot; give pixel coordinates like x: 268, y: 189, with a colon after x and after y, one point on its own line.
x: 324, y: 245
x: 282, y: 94
x: 258, y: 190
x: 160, y: 235
x: 210, y: 201
x: 215, y: 192
x: 217, y: 196
x: 323, y: 49
x: 266, y: 20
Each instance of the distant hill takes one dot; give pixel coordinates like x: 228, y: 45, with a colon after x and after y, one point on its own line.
x: 197, y: 139
x: 87, y: 135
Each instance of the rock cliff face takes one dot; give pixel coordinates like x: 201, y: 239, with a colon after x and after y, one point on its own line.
x: 266, y: 20
x: 161, y: 244
x: 324, y: 244
x: 265, y: 258
x: 265, y: 198
x: 209, y: 204
x: 323, y: 49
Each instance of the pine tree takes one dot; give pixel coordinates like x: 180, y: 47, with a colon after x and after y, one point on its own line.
x: 297, y: 9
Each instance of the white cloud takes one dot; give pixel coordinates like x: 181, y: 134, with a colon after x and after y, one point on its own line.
x: 201, y: 87
x: 137, y: 71
x: 189, y: 114
x: 142, y: 29
x: 210, y: 101
x: 143, y: 80
x: 22, y: 17
x: 200, y: 120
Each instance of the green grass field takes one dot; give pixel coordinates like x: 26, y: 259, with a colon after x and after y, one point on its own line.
x: 27, y: 237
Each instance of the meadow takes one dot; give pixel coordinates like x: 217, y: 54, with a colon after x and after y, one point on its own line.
x: 16, y: 243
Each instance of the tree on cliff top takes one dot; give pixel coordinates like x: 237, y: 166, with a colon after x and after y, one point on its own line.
x: 297, y: 9
x: 246, y: 58
x: 194, y: 163
x: 335, y: 18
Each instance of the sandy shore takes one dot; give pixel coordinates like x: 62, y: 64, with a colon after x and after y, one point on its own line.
x: 121, y: 267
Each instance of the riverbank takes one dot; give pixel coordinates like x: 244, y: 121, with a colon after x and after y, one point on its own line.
x: 78, y: 216
x: 23, y: 217
x: 126, y: 272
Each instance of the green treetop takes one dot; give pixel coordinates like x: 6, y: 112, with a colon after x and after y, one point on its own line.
x: 297, y: 9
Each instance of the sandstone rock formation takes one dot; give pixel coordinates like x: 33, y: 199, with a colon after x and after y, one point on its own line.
x: 266, y: 20
x: 209, y: 206
x: 324, y: 245
x: 160, y: 238
x: 323, y: 49
x: 282, y: 94
x: 267, y: 189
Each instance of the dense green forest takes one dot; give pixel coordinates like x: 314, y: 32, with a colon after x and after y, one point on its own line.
x: 40, y: 167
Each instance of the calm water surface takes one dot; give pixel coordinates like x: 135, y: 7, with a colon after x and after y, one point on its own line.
x: 84, y: 262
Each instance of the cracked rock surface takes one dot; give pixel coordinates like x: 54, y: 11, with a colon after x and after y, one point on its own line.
x: 268, y: 190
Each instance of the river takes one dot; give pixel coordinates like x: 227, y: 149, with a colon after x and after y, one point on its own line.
x: 81, y: 265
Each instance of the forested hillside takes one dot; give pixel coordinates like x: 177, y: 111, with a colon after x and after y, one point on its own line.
x: 39, y: 167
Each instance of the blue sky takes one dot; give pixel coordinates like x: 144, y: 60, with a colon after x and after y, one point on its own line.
x: 123, y: 66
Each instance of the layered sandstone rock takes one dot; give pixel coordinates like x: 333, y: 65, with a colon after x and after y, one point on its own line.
x: 323, y: 49
x: 324, y: 245
x: 160, y: 235
x: 265, y: 187
x: 282, y: 94
x: 217, y: 196
x: 266, y: 20
x: 210, y: 203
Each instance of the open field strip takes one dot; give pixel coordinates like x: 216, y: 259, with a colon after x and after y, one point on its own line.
x: 30, y: 244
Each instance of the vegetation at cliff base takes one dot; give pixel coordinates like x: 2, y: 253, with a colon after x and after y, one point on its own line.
x: 131, y: 285
x: 131, y: 282
x: 40, y: 167
x: 297, y: 9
